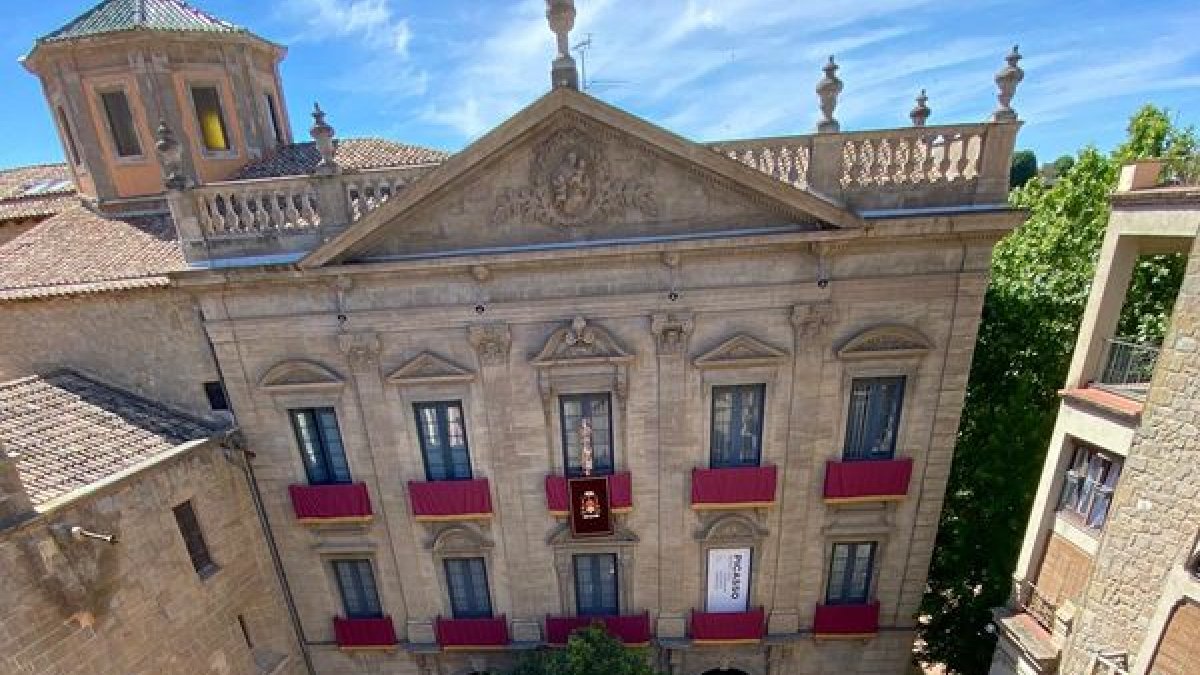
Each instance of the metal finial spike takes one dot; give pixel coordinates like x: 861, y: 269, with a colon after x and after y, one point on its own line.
x: 1007, y: 79
x: 828, y: 89
x: 920, y: 112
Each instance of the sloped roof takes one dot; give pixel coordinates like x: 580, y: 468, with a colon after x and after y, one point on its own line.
x: 81, y: 251
x: 112, y: 16
x: 32, y: 191
x: 69, y: 432
x: 299, y: 159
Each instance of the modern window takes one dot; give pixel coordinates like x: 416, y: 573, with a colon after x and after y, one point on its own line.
x: 273, y: 117
x: 873, y: 419
x: 1088, y: 488
x: 212, y: 121
x: 120, y: 123
x: 737, y: 425
x: 850, y: 573
x: 466, y: 579
x: 356, y: 582
x: 65, y: 124
x: 320, y: 445
x: 596, y: 585
x: 443, y: 435
x: 193, y: 539
x: 596, y: 408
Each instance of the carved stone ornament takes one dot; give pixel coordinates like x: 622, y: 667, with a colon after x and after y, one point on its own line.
x: 491, y: 343
x: 428, y: 368
x: 299, y: 375
x: 361, y: 349
x: 810, y: 320
x: 885, y: 342
x: 581, y: 342
x: 571, y: 185
x: 671, y: 332
x: 741, y: 351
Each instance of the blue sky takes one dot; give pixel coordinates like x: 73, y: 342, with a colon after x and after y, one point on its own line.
x: 442, y: 72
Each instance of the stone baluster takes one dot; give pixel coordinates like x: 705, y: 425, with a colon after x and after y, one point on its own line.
x: 1007, y: 79
x: 827, y: 90
x: 920, y: 112
x: 179, y: 198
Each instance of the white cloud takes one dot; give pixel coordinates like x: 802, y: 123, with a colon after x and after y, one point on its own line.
x: 372, y: 21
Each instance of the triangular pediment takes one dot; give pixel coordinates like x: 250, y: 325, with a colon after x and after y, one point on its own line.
x: 569, y: 170
x: 299, y: 375
x: 429, y: 368
x: 580, y: 343
x: 885, y: 342
x: 741, y: 351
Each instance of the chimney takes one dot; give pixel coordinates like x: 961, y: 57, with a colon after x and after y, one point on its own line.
x: 15, y: 505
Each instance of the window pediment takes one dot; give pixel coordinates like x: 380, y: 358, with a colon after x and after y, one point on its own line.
x: 741, y: 351
x: 299, y: 376
x: 429, y: 368
x: 889, y: 341
x: 459, y: 539
x: 581, y: 343
x: 561, y: 536
x: 732, y: 527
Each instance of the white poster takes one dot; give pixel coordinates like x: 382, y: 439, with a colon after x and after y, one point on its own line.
x: 728, y: 579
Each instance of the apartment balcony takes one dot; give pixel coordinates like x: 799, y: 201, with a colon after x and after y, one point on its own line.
x: 1128, y: 369
x: 472, y: 634
x: 331, y: 504
x: 846, y: 621
x: 364, y: 634
x: 728, y: 627
x: 445, y: 500
x: 620, y: 494
x: 633, y: 631
x: 867, y: 480
x: 733, y: 488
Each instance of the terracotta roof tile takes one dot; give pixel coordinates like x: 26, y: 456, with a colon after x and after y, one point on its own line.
x: 69, y: 431
x: 35, y: 191
x: 353, y: 154
x: 112, y: 16
x: 80, y: 251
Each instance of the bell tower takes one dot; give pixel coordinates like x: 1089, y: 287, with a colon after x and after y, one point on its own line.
x: 111, y: 75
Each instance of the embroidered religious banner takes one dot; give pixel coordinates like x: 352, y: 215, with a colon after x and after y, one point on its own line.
x: 591, y: 512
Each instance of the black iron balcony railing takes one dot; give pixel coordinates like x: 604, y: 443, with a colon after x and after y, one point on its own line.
x: 1129, y: 367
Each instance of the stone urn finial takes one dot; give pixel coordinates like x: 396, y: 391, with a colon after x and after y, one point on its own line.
x: 322, y: 133
x: 1007, y: 79
x: 170, y: 153
x: 920, y: 112
x: 560, y: 14
x: 827, y: 91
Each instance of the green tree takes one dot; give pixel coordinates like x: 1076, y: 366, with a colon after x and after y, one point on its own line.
x: 591, y: 651
x: 1023, y: 167
x: 1041, y: 275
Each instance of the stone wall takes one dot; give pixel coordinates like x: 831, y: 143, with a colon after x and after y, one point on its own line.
x: 1152, y: 523
x: 138, y: 607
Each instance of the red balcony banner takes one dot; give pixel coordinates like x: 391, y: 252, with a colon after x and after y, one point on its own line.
x: 737, y: 487
x: 632, y: 630
x: 729, y: 627
x: 450, y: 499
x: 846, y: 621
x: 620, y: 493
x: 364, y: 633
x: 867, y: 480
x: 591, y: 511
x: 348, y: 501
x: 472, y: 633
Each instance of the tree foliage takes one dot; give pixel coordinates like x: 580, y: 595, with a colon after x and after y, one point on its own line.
x: 1041, y: 275
x: 591, y: 651
x: 1023, y: 167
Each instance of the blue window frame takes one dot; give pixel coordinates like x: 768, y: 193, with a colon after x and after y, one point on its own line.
x: 596, y: 585
x: 443, y: 433
x: 873, y: 419
x: 737, y: 425
x: 356, y: 582
x: 598, y: 408
x: 850, y: 566
x: 466, y: 580
x: 320, y: 443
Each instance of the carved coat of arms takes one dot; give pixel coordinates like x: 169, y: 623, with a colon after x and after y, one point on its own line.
x: 571, y: 185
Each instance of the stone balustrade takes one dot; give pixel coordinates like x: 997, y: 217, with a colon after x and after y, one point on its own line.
x: 253, y: 207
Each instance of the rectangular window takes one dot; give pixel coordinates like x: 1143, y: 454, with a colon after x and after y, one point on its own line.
x: 596, y: 408
x: 466, y: 579
x: 443, y: 435
x: 596, y: 585
x: 1088, y: 488
x: 874, y: 417
x: 68, y: 135
x: 120, y: 123
x: 215, y: 392
x: 193, y: 539
x: 737, y: 423
x: 356, y: 582
x: 211, y: 119
x: 850, y: 573
x: 320, y: 445
x: 273, y: 118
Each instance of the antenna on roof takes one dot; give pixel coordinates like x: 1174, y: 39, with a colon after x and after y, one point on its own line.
x: 583, y: 47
